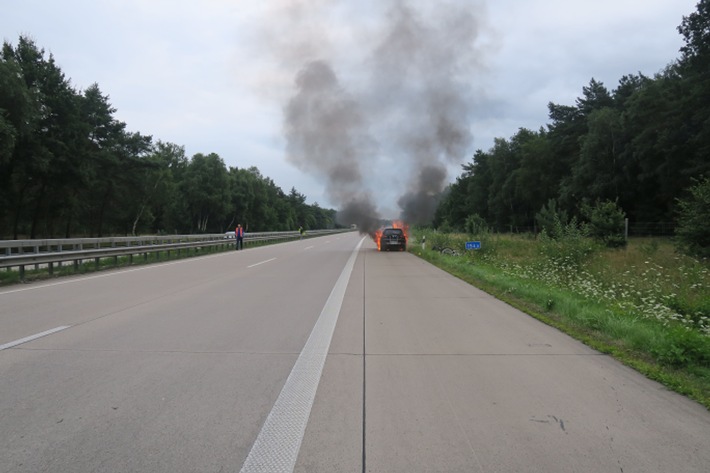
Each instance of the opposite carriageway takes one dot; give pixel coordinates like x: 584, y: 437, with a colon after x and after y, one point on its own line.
x: 19, y: 254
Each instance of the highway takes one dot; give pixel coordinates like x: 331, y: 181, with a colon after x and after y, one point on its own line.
x: 320, y: 355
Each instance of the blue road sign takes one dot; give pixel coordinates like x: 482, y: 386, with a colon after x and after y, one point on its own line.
x: 473, y: 245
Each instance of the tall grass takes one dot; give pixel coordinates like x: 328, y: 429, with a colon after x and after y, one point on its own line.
x: 646, y: 304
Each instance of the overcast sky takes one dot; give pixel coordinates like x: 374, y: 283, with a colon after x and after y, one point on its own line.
x: 217, y: 75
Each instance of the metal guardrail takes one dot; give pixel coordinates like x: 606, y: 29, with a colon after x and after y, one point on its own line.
x: 21, y: 253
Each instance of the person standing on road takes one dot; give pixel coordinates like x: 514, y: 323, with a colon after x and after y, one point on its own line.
x: 239, y: 236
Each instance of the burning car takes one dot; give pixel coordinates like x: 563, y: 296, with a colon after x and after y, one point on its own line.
x: 392, y: 238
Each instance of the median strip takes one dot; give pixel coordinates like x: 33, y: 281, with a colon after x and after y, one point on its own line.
x: 33, y: 337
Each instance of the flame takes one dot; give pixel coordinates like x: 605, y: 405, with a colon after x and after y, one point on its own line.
x: 403, y: 226
x: 377, y: 236
x: 395, y: 224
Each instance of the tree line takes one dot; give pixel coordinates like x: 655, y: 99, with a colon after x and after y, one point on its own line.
x: 642, y: 145
x: 68, y: 167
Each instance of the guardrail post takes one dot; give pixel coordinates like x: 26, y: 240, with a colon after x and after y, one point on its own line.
x: 36, y: 251
x: 51, y: 268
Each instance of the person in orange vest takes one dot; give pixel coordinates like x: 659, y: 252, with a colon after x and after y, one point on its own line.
x: 239, y: 236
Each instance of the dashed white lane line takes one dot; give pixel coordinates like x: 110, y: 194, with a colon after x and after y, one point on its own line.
x: 276, y: 447
x: 33, y: 337
x: 260, y: 262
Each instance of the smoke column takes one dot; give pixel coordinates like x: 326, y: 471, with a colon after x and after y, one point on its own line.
x: 326, y: 135
x: 422, y: 68
x: 394, y: 128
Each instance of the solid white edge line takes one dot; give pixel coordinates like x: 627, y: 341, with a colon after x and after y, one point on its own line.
x: 33, y: 337
x: 261, y: 262
x: 276, y: 448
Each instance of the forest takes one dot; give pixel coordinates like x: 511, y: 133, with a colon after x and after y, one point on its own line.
x: 642, y: 146
x: 69, y: 168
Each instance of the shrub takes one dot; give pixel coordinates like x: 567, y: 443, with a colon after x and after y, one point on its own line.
x: 606, y: 223
x: 475, y: 225
x: 440, y: 240
x: 681, y: 347
x: 548, y: 218
x: 568, y: 244
x: 693, y: 231
x: 446, y: 227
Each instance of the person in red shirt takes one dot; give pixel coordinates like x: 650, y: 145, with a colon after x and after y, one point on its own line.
x: 239, y: 236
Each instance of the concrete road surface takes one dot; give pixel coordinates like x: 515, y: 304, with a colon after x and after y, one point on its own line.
x: 316, y: 356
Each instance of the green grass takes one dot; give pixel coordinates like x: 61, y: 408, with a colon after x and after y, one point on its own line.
x: 646, y: 305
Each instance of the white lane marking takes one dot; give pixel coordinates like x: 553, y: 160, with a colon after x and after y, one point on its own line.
x: 261, y: 262
x: 275, y: 449
x: 309, y: 247
x: 33, y: 337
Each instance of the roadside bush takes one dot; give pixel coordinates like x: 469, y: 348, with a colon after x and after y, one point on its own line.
x: 440, y: 240
x: 693, y: 231
x: 696, y: 313
x: 606, y: 223
x: 549, y: 218
x: 475, y: 225
x: 650, y: 248
x: 446, y: 227
x: 568, y: 244
x: 680, y: 347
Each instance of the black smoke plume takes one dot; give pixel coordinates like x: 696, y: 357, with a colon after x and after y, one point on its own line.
x: 327, y: 136
x: 395, y: 135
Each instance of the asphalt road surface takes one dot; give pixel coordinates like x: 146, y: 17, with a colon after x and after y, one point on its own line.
x: 321, y: 355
